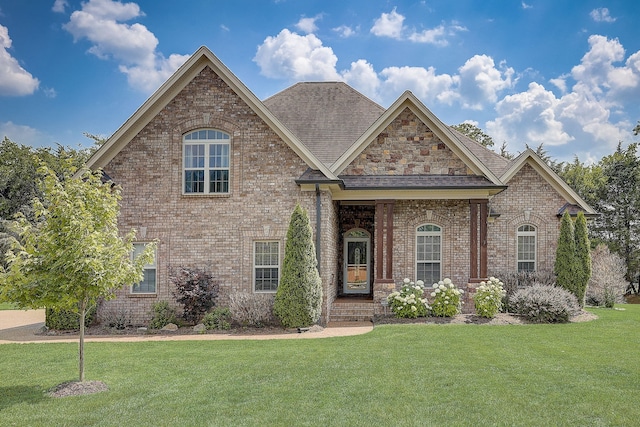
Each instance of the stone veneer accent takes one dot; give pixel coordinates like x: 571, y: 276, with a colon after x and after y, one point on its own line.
x: 407, y: 147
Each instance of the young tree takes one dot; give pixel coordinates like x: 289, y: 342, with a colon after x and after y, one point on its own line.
x: 583, y: 257
x: 73, y: 253
x: 565, y: 267
x: 298, y: 301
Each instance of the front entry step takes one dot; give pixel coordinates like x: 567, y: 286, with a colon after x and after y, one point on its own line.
x: 351, y: 310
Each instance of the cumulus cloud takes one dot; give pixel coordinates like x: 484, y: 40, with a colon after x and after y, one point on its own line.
x: 308, y: 25
x: 24, y: 135
x: 346, y: 31
x: 363, y: 77
x: 392, y: 25
x: 59, y: 6
x: 133, y: 45
x: 14, y: 80
x: 425, y: 83
x: 292, y: 56
x: 481, y: 81
x: 601, y: 15
x: 585, y: 113
x: 389, y: 25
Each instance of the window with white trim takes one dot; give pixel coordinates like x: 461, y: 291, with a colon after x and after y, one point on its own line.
x: 428, y: 253
x: 148, y: 283
x: 266, y: 265
x: 526, y: 248
x: 206, y: 162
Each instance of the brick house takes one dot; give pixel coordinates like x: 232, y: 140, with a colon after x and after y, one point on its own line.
x: 213, y: 173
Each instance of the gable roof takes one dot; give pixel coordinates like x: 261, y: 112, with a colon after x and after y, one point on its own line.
x: 202, y: 58
x: 326, y: 116
x: 529, y: 157
x: 446, y: 135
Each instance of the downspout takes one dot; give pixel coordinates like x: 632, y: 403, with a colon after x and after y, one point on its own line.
x: 318, y: 225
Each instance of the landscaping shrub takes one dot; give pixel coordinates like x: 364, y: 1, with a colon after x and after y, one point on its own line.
x: 512, y: 281
x: 219, y: 318
x: 447, y: 301
x: 67, y: 320
x: 583, y: 258
x: 298, y: 301
x: 607, y: 284
x: 116, y: 318
x: 408, y: 302
x: 196, y: 290
x: 545, y: 304
x: 249, y: 309
x: 488, y: 298
x: 162, y: 314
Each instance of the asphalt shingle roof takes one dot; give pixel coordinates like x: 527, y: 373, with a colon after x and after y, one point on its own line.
x: 327, y: 117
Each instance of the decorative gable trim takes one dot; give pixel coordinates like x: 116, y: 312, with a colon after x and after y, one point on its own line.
x: 408, y: 100
x: 529, y: 157
x: 202, y: 58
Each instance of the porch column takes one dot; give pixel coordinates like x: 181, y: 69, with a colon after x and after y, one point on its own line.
x: 384, y: 241
x: 478, y: 211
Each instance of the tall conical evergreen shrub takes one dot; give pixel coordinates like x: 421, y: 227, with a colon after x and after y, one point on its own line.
x: 565, y: 267
x: 583, y: 257
x: 298, y: 301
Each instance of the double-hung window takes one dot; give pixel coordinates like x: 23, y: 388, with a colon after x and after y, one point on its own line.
x: 206, y: 162
x: 526, y: 248
x: 428, y: 253
x: 148, y: 283
x: 266, y: 265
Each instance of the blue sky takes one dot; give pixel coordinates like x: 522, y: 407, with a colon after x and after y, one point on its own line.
x: 565, y: 73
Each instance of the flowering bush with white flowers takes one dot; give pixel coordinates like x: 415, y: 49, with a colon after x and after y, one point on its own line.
x: 408, y: 301
x: 447, y: 301
x: 488, y: 298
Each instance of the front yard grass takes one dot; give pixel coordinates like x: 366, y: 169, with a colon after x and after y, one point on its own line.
x: 514, y: 375
x: 7, y: 306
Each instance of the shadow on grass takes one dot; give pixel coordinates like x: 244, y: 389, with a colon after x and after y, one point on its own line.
x: 15, y: 395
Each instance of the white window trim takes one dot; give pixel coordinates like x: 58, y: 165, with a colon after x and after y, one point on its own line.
x: 427, y: 233
x: 256, y: 266
x: 152, y: 266
x: 519, y: 234
x: 208, y: 143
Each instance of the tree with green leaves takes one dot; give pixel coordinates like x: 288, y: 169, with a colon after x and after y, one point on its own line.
x: 298, y: 301
x: 619, y: 205
x: 475, y: 133
x: 583, y: 257
x: 587, y: 180
x: 566, y: 265
x: 72, y: 254
x: 636, y: 130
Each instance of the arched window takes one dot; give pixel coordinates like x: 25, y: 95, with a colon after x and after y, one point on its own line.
x: 206, y: 162
x: 428, y: 253
x: 526, y: 248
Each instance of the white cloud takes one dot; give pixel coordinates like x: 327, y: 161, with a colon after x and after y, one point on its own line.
x: 526, y: 6
x: 346, y: 31
x: 433, y: 36
x: 601, y: 15
x: 24, y: 135
x: 308, y: 25
x: 14, y: 80
x: 528, y: 117
x: 292, y: 56
x: 389, y: 25
x: 423, y: 82
x: 59, y: 6
x: 480, y: 81
x: 134, y: 46
x: 363, y: 77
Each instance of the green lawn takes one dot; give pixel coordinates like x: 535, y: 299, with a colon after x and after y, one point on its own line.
x: 582, y: 374
x: 6, y: 306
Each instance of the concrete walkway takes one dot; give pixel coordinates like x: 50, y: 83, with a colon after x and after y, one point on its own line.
x: 20, y: 326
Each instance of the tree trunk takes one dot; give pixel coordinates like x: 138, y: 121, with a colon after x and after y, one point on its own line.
x: 83, y: 313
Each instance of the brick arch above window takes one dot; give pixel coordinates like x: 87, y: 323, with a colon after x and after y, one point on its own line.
x: 206, y: 162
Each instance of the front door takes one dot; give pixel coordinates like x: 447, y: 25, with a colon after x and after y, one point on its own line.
x: 356, y: 264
